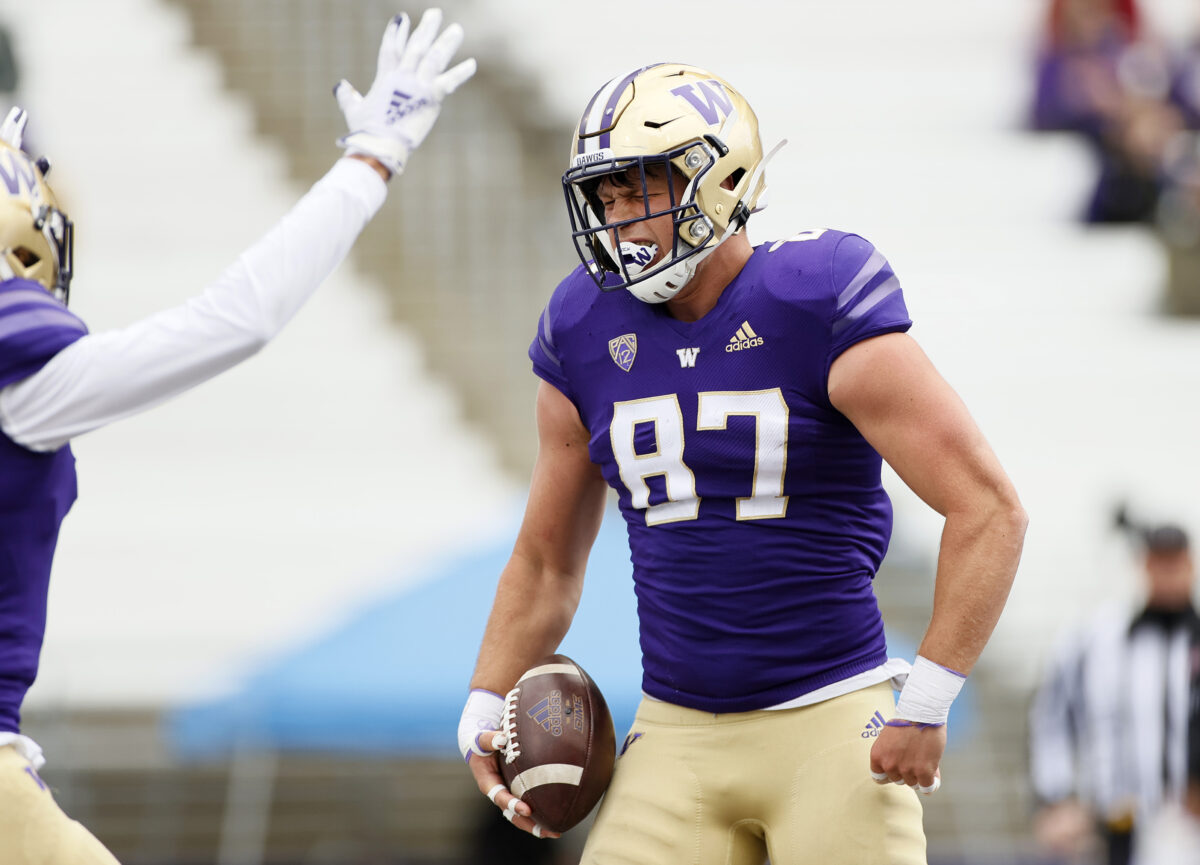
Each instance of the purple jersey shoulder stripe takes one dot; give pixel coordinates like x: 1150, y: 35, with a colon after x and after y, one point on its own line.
x: 24, y: 295
x: 34, y: 327
x: 27, y: 320
x: 864, y: 275
x: 873, y: 298
x: 548, y: 351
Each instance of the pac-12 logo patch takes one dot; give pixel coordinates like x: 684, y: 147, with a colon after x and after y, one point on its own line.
x: 623, y: 349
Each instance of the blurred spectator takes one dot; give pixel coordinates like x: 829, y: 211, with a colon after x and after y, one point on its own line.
x: 1185, y: 87
x: 9, y: 75
x: 1109, y: 724
x: 1178, y: 213
x: 1098, y: 76
x: 1178, y: 222
x: 1077, y: 80
x: 10, y: 80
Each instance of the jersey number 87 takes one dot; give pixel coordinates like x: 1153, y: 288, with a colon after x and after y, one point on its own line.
x: 663, y: 413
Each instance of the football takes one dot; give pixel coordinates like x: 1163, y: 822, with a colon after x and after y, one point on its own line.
x: 561, y: 744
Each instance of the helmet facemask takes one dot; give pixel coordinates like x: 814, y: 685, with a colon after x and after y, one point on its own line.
x: 614, y: 265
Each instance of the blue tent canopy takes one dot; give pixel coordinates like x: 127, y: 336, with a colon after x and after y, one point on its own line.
x: 393, y: 679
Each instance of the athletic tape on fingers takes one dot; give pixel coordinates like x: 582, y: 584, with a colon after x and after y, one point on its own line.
x: 491, y: 794
x: 537, y: 831
x: 511, y: 811
x: 932, y: 788
x: 880, y: 777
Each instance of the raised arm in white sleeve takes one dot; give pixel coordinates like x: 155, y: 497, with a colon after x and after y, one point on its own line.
x: 106, y: 376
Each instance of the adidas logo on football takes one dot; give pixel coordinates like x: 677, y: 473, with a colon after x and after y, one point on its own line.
x: 874, y: 726
x: 744, y: 338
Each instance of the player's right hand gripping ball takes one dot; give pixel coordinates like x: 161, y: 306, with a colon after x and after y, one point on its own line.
x: 561, y: 744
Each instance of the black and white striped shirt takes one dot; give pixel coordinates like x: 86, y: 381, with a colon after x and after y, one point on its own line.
x: 1109, y: 724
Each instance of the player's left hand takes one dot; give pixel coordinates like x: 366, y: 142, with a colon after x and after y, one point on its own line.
x: 411, y: 80
x: 909, y: 755
x: 480, y: 741
x: 486, y: 770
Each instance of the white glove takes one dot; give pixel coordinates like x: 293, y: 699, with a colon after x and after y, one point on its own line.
x: 12, y: 132
x: 404, y: 100
x: 482, y: 714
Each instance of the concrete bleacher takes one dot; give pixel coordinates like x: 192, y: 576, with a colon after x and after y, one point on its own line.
x: 321, y: 472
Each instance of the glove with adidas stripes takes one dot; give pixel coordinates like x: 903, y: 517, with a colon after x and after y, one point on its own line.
x: 411, y: 81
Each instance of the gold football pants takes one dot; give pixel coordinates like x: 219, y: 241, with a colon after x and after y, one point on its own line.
x: 33, y: 829
x: 693, y: 788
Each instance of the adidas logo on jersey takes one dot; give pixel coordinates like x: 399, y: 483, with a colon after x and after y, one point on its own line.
x: 744, y: 338
x: 874, y: 726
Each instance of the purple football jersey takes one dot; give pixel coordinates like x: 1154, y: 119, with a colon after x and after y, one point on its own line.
x: 756, y: 514
x: 36, y: 491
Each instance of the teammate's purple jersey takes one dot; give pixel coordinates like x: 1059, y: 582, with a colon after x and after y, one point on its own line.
x: 36, y: 491
x: 755, y: 510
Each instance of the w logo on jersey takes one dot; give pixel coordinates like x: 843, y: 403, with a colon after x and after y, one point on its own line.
x: 623, y: 349
x: 687, y: 356
x: 708, y: 98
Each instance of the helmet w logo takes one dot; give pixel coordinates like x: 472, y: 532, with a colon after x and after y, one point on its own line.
x: 17, y: 174
x: 708, y: 98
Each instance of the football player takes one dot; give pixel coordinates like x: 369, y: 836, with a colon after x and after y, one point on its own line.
x: 740, y: 399
x: 58, y: 381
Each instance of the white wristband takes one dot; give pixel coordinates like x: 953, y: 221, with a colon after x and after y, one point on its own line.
x: 482, y: 712
x: 928, y: 693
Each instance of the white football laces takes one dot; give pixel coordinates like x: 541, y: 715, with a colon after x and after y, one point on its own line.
x: 508, y: 728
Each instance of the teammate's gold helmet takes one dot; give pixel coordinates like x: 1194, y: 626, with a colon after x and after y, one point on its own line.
x: 35, y: 236
x: 674, y: 115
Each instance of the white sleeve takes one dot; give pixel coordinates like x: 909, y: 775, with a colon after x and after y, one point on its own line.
x: 103, y: 377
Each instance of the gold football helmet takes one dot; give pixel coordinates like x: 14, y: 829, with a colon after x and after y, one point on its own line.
x: 35, y: 236
x: 675, y: 117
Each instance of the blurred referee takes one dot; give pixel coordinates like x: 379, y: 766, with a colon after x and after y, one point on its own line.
x: 1109, y: 724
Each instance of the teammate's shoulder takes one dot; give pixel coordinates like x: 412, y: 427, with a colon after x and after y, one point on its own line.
x: 34, y: 327
x: 26, y: 305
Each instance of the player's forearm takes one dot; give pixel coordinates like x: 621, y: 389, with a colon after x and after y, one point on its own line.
x: 977, y: 562
x: 531, y: 614
x: 289, y: 262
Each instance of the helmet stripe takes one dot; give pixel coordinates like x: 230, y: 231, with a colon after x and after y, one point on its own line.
x: 598, y: 114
